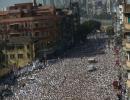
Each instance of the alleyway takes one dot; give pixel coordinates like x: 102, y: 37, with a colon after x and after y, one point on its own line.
x: 68, y: 79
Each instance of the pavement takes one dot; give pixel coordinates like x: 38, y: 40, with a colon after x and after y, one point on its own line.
x: 69, y: 79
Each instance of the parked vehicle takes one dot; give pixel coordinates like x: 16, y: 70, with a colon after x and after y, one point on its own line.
x: 91, y: 67
x: 92, y: 60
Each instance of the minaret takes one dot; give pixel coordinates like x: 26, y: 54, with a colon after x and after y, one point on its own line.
x: 44, y: 2
x: 34, y: 2
x: 93, y: 9
x: 87, y: 7
x: 108, y: 4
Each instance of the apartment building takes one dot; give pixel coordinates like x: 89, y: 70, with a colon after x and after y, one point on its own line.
x: 45, y: 29
x: 126, y: 45
x: 24, y: 25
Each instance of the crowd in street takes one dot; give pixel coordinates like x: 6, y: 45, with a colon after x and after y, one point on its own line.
x: 68, y: 78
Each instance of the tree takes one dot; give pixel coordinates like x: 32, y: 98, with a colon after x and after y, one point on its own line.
x: 87, y: 27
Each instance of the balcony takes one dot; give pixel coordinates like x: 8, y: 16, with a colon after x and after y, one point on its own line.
x: 127, y: 8
x: 127, y: 45
x: 123, y: 42
x: 128, y: 83
x: 127, y: 27
x: 126, y: 66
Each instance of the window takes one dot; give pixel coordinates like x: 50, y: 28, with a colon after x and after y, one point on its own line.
x: 128, y: 56
x: 128, y: 38
x: 45, y: 34
x: 10, y: 47
x: 28, y: 46
x: 22, y: 26
x: 28, y: 55
x: 120, y: 9
x: 37, y: 34
x: 128, y: 76
x: 26, y: 25
x: 12, y: 56
x: 20, y: 47
x: 36, y: 25
x: 20, y: 56
x: 129, y: 19
x: 1, y: 37
x: 14, y: 26
x: 29, y: 34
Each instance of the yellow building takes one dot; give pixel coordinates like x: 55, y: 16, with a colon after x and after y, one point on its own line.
x: 20, y: 51
x: 35, y: 31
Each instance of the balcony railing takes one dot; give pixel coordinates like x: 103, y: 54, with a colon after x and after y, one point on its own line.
x: 127, y: 26
x: 127, y: 45
x: 128, y: 84
x: 128, y: 64
x: 127, y: 8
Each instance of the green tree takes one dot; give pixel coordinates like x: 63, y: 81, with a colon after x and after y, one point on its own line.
x: 87, y: 27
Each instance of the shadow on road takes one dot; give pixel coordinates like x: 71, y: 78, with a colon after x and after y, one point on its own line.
x: 90, y: 48
x: 5, y: 85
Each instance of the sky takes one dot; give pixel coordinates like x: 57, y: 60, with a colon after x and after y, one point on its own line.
x: 6, y: 3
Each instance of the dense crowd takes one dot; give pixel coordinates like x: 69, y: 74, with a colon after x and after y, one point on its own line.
x: 68, y: 79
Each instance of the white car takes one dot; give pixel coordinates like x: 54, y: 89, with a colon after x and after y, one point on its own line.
x: 91, y: 67
x: 92, y: 60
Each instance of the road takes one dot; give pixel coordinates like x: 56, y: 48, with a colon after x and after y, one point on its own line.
x: 68, y: 79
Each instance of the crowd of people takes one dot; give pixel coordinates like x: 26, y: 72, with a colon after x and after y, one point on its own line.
x: 68, y: 78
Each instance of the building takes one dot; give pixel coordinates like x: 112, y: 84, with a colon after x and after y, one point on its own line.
x: 30, y: 31
x: 20, y: 51
x: 25, y: 24
x: 39, y: 24
x: 126, y: 45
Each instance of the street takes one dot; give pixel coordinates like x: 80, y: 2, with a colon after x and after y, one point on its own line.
x: 68, y: 78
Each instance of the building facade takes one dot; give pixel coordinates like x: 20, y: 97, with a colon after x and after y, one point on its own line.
x: 30, y: 31
x: 23, y: 22
x: 126, y: 45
